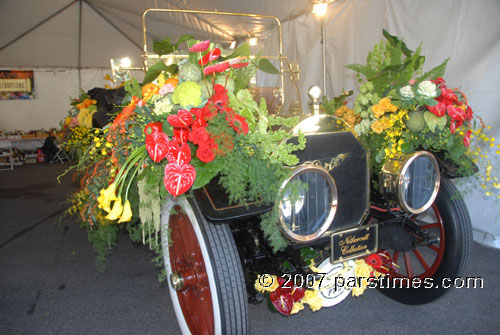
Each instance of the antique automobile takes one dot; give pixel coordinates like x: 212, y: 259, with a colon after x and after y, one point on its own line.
x: 407, y: 213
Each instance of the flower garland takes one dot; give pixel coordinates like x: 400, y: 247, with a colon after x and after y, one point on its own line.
x: 290, y: 299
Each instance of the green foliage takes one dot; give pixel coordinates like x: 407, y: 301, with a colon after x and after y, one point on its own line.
x: 155, y: 70
x: 133, y: 88
x: 330, y: 106
x: 165, y: 47
x: 103, y: 239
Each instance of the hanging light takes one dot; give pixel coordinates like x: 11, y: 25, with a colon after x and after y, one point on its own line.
x: 252, y: 41
x: 320, y: 7
x: 233, y: 45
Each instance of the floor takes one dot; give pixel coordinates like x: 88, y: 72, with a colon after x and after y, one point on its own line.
x: 49, y: 283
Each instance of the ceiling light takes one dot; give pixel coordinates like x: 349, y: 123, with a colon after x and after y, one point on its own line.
x: 320, y: 7
x: 252, y: 41
x: 233, y: 45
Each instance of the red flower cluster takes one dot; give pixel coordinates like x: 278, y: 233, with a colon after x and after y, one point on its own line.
x: 283, y: 298
x: 457, y: 110
x: 191, y: 126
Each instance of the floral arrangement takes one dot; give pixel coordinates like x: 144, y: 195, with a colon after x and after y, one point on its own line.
x: 187, y: 123
x: 287, y: 299
x: 400, y: 109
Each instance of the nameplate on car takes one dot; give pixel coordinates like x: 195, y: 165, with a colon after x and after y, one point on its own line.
x: 354, y: 243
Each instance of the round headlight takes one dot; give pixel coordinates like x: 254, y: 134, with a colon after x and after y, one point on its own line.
x: 308, y: 202
x: 412, y: 180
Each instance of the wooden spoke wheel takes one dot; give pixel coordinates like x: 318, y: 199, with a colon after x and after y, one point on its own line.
x: 204, y: 272
x: 447, y: 221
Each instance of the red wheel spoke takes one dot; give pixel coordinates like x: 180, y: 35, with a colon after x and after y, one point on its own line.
x: 431, y: 225
x: 433, y: 248
x: 395, y: 257
x: 409, y: 268
x: 421, y: 259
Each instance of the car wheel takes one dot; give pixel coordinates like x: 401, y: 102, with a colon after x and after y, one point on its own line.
x: 449, y: 220
x: 205, y: 277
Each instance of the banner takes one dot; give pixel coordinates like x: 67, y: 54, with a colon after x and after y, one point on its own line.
x: 16, y: 85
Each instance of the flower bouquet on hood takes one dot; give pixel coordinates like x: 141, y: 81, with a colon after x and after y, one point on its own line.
x: 185, y: 124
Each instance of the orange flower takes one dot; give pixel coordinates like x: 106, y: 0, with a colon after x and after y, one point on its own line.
x: 148, y: 91
x: 377, y: 127
x: 378, y: 110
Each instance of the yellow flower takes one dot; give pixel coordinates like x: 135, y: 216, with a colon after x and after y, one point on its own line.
x: 297, y: 307
x: 106, y: 196
x: 116, y: 211
x: 127, y: 213
x: 357, y: 291
x: 266, y: 283
x: 161, y: 80
x: 361, y: 269
x: 311, y: 298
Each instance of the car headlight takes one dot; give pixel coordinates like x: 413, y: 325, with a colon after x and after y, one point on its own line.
x: 412, y: 180
x: 308, y: 202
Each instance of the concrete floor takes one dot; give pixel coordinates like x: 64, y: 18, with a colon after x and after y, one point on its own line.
x: 49, y: 283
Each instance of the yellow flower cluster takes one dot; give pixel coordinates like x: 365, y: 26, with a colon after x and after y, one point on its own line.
x: 119, y: 210
x: 393, y: 135
x: 383, y: 106
x: 490, y: 183
x: 101, y: 146
x: 362, y: 270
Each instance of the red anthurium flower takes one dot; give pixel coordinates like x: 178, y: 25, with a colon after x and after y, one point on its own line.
x: 283, y: 303
x: 438, y: 81
x: 438, y: 110
x: 210, y: 56
x: 157, y: 146
x: 453, y: 125
x: 179, y: 178
x: 448, y: 95
x: 468, y: 113
x: 217, y: 68
x: 467, y: 138
x: 456, y: 113
x: 205, y: 154
x: 298, y: 293
x: 238, y: 122
x: 178, y: 154
x: 200, y: 47
x: 235, y: 63
x: 153, y: 128
x: 181, y: 135
x: 182, y: 119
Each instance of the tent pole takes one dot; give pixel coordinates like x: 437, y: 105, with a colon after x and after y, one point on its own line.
x: 323, y: 45
x: 80, y: 46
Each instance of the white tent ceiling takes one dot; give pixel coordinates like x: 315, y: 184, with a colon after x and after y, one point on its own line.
x: 104, y: 29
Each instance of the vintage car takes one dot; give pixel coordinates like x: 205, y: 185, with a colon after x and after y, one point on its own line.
x: 214, y: 249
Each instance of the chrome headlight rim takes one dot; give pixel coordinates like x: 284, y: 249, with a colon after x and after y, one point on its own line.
x: 332, y: 205
x: 400, y: 189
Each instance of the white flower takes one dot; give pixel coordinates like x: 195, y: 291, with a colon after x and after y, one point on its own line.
x: 427, y: 89
x: 406, y: 92
x: 163, y: 106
